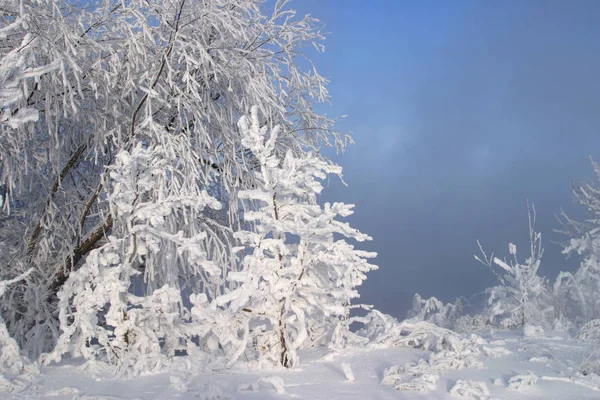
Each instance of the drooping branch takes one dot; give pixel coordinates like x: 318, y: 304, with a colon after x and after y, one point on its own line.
x: 37, y: 230
x: 158, y: 75
x: 79, y: 253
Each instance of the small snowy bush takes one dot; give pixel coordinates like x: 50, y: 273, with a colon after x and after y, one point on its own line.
x: 519, y: 382
x: 424, y: 374
x: 590, y: 332
x: 382, y: 330
x: 11, y: 360
x: 533, y: 331
x: 15, y: 370
x: 347, y: 370
x: 434, y: 311
x: 472, y: 323
x: 522, y: 295
x: 590, y: 364
x: 420, y: 383
x: 471, y: 390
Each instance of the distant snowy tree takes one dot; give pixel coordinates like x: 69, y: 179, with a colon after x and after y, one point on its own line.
x: 93, y: 95
x: 300, y: 276
x: 522, y: 296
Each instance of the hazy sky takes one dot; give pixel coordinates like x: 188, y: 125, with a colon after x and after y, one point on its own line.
x: 461, y: 111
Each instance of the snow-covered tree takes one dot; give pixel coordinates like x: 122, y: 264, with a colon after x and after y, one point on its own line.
x: 286, y: 295
x: 111, y: 307
x: 92, y: 90
x: 577, y: 294
x: 299, y: 275
x: 522, y: 296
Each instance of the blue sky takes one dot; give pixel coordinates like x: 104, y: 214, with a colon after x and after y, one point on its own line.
x: 461, y: 111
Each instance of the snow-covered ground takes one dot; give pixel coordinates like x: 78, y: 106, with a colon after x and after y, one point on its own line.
x: 503, y: 365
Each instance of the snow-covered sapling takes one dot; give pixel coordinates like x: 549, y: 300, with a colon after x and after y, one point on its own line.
x: 299, y: 275
x: 522, y: 295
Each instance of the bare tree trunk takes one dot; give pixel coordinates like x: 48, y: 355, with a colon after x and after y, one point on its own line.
x: 284, y: 358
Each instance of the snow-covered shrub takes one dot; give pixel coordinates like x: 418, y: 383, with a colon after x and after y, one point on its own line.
x: 533, y: 331
x: 213, y: 391
x: 222, y: 334
x: 522, y: 296
x: 13, y: 366
x: 10, y: 354
x: 589, y: 332
x: 519, y: 382
x: 472, y: 323
x: 102, y: 320
x: 562, y: 324
x: 576, y: 294
x: 382, y: 330
x: 347, y: 370
x: 409, y: 382
x: 590, y: 364
x: 434, y: 311
x: 472, y: 390
x: 423, y: 375
x: 495, y: 352
x: 298, y: 277
x: 124, y: 305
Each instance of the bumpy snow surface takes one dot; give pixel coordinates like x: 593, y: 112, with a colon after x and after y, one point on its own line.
x: 503, y: 365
